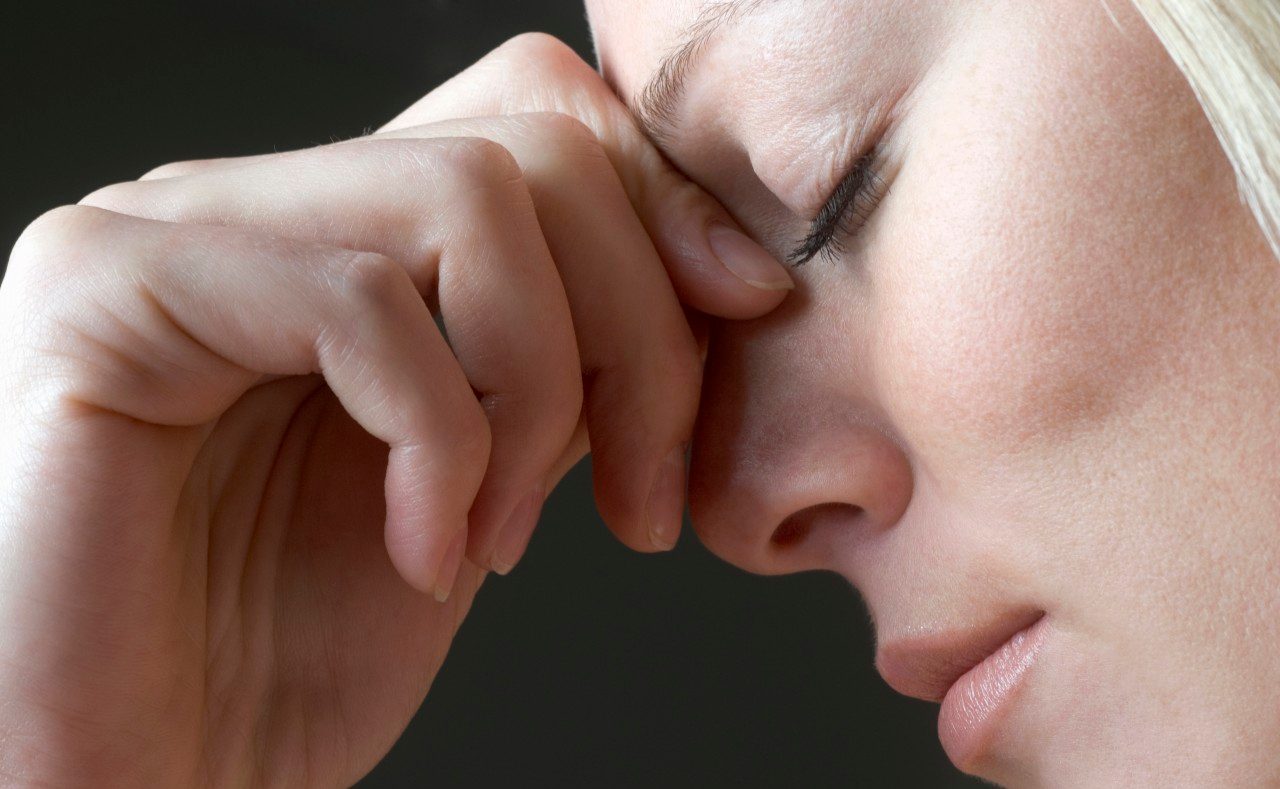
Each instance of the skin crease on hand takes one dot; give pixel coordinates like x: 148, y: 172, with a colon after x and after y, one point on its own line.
x: 1044, y: 375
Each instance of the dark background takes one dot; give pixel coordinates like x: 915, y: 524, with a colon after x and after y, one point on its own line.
x: 590, y: 666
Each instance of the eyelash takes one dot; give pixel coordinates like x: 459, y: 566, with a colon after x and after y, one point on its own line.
x: 844, y: 213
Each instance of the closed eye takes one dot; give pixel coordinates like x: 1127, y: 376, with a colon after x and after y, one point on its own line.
x: 844, y: 213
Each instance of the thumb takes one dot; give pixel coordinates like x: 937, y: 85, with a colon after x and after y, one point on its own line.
x: 713, y: 265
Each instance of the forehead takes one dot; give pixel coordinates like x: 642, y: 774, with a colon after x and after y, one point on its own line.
x: 632, y: 36
x: 796, y: 83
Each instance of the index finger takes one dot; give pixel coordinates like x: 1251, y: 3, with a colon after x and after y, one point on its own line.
x: 713, y: 265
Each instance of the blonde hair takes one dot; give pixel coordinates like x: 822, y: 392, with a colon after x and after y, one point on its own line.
x: 1229, y: 51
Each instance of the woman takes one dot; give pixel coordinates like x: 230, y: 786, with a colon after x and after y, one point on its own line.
x: 1019, y: 387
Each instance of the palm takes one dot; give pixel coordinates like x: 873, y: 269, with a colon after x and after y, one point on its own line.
x: 314, y: 644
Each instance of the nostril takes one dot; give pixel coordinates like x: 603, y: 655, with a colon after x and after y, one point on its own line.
x: 790, y: 532
x: 797, y: 526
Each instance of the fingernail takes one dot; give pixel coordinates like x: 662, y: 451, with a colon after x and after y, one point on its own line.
x: 747, y: 260
x: 515, y: 534
x: 450, y: 565
x: 666, y: 502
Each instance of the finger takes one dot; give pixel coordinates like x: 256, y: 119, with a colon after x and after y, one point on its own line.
x: 636, y: 351
x: 642, y: 368
x: 638, y: 356
x: 207, y: 311
x: 456, y: 213
x: 714, y: 266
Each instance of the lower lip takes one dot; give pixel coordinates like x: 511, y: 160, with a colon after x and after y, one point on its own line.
x: 978, y: 701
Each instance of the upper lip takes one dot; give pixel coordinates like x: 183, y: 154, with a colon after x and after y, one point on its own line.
x: 926, y: 665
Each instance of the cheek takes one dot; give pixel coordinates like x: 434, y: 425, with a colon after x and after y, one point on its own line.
x: 1046, y: 230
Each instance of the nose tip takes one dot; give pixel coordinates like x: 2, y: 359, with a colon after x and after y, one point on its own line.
x: 803, y: 503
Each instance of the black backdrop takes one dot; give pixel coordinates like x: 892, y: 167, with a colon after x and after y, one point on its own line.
x: 590, y: 666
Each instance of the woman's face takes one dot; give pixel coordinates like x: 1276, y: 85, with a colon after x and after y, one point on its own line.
x: 1037, y: 383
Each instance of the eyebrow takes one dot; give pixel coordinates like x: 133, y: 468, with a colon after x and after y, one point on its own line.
x: 658, y: 102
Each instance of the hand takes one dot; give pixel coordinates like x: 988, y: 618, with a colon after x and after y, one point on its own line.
x: 218, y: 380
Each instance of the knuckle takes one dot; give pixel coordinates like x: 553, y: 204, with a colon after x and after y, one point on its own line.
x: 171, y: 170
x: 44, y: 283
x: 565, y: 134
x: 121, y: 197
x: 369, y: 280
x: 476, y: 162
x: 567, y: 144
x: 542, y: 50
x: 459, y: 435
x: 64, y: 221
x: 561, y: 126
x: 483, y: 180
x: 544, y: 61
x: 50, y: 244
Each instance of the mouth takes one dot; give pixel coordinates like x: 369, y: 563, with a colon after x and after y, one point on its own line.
x: 975, y: 673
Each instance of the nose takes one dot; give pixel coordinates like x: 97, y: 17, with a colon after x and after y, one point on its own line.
x: 794, y: 465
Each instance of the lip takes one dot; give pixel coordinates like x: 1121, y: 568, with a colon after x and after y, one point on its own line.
x: 975, y: 673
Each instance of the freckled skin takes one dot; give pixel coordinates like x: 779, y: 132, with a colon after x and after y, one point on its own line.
x: 1045, y: 374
